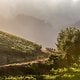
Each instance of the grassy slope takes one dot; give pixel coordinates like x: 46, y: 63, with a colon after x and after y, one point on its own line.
x: 15, y: 49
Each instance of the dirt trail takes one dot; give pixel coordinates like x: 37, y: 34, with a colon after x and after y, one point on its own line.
x: 24, y: 63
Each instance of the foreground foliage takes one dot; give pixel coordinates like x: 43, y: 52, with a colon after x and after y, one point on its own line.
x: 71, y: 73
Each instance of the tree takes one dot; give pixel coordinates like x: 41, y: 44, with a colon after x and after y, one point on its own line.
x: 55, y: 59
x: 68, y: 42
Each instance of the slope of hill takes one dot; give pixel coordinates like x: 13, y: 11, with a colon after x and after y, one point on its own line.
x: 14, y: 49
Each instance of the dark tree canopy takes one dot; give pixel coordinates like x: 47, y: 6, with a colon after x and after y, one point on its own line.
x: 68, y: 42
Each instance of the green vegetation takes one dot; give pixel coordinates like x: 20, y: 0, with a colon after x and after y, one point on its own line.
x: 68, y: 43
x: 10, y: 42
x: 71, y: 73
x: 15, y: 49
x: 63, y: 63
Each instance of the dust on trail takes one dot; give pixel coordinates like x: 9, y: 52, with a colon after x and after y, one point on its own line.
x: 25, y: 63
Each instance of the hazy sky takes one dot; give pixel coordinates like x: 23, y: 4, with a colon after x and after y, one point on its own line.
x: 38, y: 20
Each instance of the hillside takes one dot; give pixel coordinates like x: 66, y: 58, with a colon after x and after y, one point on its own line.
x: 14, y: 49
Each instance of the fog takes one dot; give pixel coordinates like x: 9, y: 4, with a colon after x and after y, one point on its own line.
x: 38, y: 20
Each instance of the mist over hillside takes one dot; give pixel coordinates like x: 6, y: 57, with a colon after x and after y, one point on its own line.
x: 38, y: 20
x: 30, y: 28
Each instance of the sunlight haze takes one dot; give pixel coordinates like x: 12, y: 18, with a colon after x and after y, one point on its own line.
x: 38, y: 20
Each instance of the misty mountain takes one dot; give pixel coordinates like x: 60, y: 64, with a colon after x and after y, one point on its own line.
x: 30, y: 28
x: 48, y: 17
x: 76, y: 24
